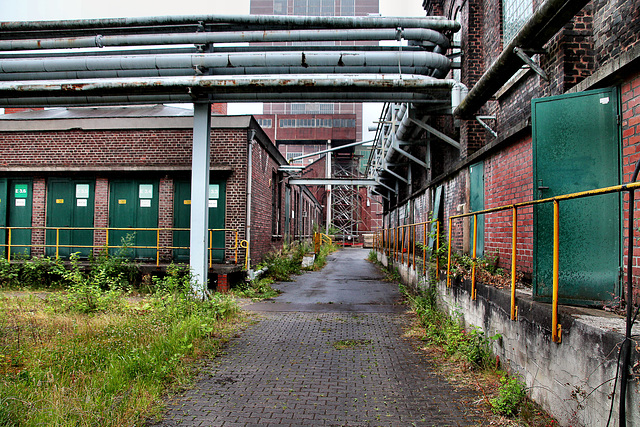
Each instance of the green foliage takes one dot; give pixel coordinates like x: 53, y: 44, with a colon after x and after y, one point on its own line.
x: 109, y: 367
x: 511, y: 395
x: 373, y: 256
x: 257, y: 290
x: 321, y: 257
x: 89, y: 293
x: 474, y: 347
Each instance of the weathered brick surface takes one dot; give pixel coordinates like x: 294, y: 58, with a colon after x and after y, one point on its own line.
x: 507, y: 181
x: 144, y: 153
x: 286, y: 370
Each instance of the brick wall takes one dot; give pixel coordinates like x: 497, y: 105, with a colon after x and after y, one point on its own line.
x: 630, y: 94
x: 138, y: 151
x: 261, y: 212
x: 508, y: 180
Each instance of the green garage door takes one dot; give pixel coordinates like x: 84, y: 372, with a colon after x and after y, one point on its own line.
x: 576, y: 148
x: 182, y: 216
x: 70, y: 204
x: 134, y: 204
x: 476, y: 203
x: 15, y: 211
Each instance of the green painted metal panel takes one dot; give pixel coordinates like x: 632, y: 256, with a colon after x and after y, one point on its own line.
x: 70, y: 203
x: 134, y: 204
x: 182, y: 215
x: 576, y: 148
x: 476, y: 203
x: 3, y: 215
x: 19, y: 211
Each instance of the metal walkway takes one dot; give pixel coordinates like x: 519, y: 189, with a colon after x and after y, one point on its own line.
x: 290, y: 370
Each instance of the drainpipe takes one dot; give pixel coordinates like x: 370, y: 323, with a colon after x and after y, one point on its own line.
x: 541, y: 27
x: 252, y: 134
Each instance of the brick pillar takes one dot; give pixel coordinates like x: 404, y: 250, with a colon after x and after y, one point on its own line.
x: 38, y: 216
x: 101, y: 212
x: 223, y: 283
x: 165, y: 218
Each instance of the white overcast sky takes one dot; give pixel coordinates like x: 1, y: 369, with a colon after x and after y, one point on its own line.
x: 32, y: 10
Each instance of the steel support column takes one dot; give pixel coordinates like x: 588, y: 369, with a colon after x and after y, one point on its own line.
x: 199, y: 195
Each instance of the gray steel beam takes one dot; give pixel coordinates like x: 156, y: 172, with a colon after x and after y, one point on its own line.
x: 332, y: 181
x: 437, y: 133
x: 200, y: 159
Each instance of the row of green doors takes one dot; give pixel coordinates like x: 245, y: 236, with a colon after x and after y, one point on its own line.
x: 132, y: 204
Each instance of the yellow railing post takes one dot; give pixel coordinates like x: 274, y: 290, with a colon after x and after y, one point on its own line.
x: 514, y: 239
x: 449, y: 255
x: 158, y: 247
x: 555, y: 327
x: 437, y: 248
x: 57, y: 242
x: 106, y: 241
x: 414, y: 247
x: 473, y: 260
x: 424, y: 248
x: 9, y: 245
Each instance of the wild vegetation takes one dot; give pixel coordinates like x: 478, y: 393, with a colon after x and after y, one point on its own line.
x: 93, y: 354
x: 281, y: 266
x: 466, y: 358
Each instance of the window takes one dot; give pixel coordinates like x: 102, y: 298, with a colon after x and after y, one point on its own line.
x: 347, y: 8
x: 265, y: 123
x: 279, y: 7
x: 457, y: 40
x: 515, y: 14
x: 314, y: 7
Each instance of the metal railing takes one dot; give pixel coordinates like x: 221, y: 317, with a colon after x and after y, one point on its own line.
x: 233, y: 248
x: 396, y: 241
x: 319, y: 239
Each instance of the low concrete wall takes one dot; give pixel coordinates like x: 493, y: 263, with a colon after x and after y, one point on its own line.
x: 572, y: 380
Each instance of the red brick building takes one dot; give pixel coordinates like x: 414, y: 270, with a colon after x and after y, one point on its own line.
x: 130, y: 168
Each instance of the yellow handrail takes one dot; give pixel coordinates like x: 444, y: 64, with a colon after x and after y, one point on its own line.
x: 395, y: 244
x: 158, y: 244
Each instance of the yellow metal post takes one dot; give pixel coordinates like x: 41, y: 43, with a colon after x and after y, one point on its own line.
x: 9, y: 245
x: 424, y: 248
x: 473, y: 260
x: 514, y: 238
x: 449, y: 256
x: 555, y: 328
x: 158, y: 247
x: 414, y: 246
x: 57, y: 242
x: 437, y: 248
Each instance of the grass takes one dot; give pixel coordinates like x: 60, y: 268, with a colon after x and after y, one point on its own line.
x: 110, y: 366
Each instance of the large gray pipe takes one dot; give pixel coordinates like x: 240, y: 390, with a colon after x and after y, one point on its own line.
x: 419, y: 35
x: 228, y: 60
x: 112, y: 74
x: 264, y: 21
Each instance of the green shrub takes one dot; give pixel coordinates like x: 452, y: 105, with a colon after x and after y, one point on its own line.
x: 511, y: 394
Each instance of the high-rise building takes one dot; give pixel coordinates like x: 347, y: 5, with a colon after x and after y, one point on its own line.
x: 301, y: 128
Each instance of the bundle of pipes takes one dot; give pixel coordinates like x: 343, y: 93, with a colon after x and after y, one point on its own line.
x: 171, y: 59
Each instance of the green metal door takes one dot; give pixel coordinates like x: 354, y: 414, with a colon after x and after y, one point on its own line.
x: 3, y: 216
x: 182, y: 215
x: 19, y: 215
x: 576, y: 148
x: 476, y: 203
x: 70, y: 203
x: 134, y: 204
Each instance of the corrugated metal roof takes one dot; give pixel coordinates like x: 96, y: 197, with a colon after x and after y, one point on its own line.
x: 100, y: 112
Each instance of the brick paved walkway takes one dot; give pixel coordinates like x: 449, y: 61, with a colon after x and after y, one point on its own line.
x: 331, y: 364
